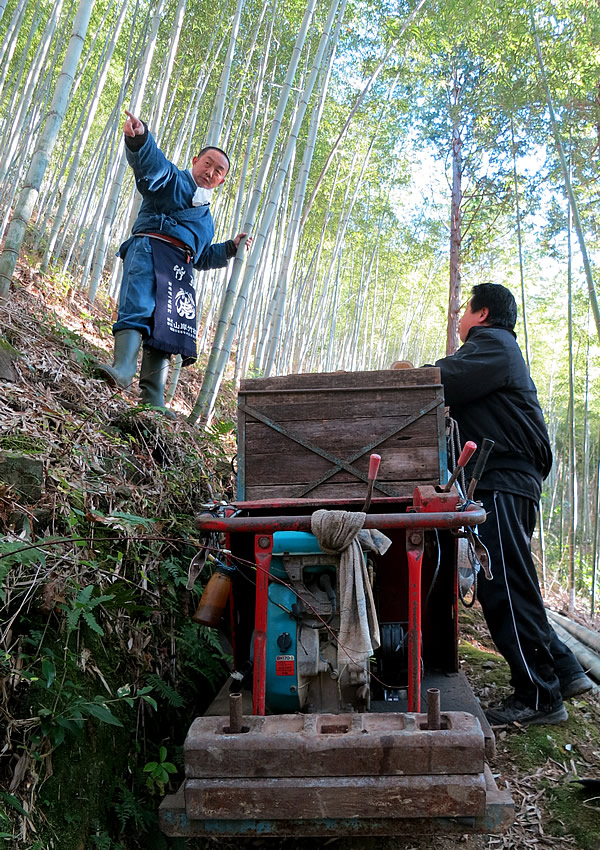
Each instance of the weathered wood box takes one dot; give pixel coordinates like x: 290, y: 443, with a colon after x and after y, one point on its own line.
x: 310, y: 436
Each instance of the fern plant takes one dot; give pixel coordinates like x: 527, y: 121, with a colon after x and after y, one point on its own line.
x: 161, y: 689
x: 82, y: 607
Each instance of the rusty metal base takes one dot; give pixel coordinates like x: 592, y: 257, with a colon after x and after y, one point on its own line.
x: 290, y: 812
x: 358, y: 747
x: 336, y: 774
x: 455, y: 690
x: 499, y: 814
x: 456, y: 694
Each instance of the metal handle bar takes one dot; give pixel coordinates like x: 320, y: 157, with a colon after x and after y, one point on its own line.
x: 474, y: 515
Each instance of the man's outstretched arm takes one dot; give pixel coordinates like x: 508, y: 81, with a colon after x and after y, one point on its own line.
x: 216, y: 256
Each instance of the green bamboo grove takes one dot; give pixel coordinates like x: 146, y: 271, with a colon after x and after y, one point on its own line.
x: 386, y: 157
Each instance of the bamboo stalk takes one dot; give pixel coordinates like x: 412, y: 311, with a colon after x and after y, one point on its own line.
x: 568, y: 185
x: 219, y: 355
x: 587, y: 657
x: 81, y: 135
x: 39, y: 163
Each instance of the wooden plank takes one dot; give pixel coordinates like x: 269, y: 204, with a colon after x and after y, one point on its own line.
x: 351, y: 450
x: 391, y: 378
x: 297, y: 507
x: 305, y: 466
x: 242, y: 450
x: 372, y: 405
x: 334, y: 459
x: 340, y: 415
x: 358, y: 490
x: 343, y: 436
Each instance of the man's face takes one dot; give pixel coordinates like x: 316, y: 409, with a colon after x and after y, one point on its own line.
x: 471, y: 319
x: 210, y: 169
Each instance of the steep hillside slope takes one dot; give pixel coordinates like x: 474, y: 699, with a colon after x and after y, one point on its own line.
x: 101, y: 668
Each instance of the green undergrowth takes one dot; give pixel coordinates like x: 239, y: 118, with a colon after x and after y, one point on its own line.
x: 23, y: 444
x: 564, y: 753
x: 486, y: 669
x: 5, y: 345
x: 558, y: 756
x: 537, y: 744
x: 101, y: 671
x: 574, y: 812
x: 101, y: 668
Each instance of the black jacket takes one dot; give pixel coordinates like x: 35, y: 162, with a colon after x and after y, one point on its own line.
x: 490, y: 394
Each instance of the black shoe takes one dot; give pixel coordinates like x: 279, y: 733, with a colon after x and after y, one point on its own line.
x: 512, y: 710
x: 579, y: 685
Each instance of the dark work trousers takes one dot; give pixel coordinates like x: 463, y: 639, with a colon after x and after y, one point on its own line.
x: 513, y: 606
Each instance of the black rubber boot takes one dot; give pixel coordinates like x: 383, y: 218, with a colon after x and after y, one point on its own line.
x: 153, y: 379
x: 127, y: 347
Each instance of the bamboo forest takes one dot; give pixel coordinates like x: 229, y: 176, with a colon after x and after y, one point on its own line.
x: 385, y: 158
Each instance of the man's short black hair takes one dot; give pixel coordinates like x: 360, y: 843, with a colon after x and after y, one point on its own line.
x: 215, y: 148
x: 500, y: 302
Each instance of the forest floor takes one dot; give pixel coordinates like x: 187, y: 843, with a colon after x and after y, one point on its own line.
x: 59, y: 336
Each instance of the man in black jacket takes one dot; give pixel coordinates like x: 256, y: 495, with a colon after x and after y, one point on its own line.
x: 490, y: 394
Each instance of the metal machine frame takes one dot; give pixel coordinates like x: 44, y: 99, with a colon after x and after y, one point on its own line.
x: 292, y: 774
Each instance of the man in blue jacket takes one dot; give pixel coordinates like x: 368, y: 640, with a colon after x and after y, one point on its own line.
x: 490, y: 394
x: 172, y: 233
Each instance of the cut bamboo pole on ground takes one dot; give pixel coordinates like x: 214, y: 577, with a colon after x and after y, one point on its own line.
x: 589, y: 637
x: 589, y: 660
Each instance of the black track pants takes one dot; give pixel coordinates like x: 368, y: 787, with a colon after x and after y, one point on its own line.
x: 513, y: 606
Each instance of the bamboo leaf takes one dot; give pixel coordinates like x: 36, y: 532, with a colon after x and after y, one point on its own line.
x: 48, y: 671
x: 14, y: 802
x: 101, y: 712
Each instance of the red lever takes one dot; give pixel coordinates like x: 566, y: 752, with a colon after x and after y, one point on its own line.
x: 465, y: 455
x: 375, y: 460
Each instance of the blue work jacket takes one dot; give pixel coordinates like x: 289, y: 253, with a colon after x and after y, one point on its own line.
x: 167, y: 194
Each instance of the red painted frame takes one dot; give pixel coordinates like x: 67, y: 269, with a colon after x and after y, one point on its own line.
x: 430, y: 509
x: 263, y: 550
x: 414, y: 556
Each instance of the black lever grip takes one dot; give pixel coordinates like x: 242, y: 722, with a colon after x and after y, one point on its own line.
x: 486, y: 448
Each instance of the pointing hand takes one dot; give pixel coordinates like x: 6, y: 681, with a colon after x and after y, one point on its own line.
x: 133, y: 126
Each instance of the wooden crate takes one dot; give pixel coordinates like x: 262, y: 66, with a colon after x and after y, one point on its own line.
x: 311, y: 435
